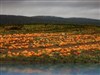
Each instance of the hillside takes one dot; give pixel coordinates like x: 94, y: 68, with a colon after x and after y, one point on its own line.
x: 12, y: 19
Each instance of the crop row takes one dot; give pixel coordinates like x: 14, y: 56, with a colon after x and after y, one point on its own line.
x: 21, y: 41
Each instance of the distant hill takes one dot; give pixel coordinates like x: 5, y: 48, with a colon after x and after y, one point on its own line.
x: 12, y: 19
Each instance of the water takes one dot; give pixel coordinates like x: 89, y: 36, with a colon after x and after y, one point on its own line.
x: 58, y: 69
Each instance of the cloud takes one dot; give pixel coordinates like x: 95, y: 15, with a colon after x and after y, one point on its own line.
x: 63, y: 8
x: 49, y: 0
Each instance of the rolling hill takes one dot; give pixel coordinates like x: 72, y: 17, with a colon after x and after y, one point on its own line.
x: 13, y: 19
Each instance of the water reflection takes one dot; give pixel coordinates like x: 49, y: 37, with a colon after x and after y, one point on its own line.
x: 58, y: 69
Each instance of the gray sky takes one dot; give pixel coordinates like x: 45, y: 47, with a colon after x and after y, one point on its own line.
x: 61, y: 8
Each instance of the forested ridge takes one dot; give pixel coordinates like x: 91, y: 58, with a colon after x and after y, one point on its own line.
x: 14, y: 19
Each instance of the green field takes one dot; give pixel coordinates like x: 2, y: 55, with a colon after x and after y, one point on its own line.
x: 75, y: 29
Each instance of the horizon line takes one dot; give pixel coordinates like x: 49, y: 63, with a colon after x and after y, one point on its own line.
x: 48, y: 16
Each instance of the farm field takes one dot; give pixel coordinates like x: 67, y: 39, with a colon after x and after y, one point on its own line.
x: 49, y: 37
x: 62, y: 47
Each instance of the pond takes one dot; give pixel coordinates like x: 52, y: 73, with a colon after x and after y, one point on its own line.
x: 50, y: 69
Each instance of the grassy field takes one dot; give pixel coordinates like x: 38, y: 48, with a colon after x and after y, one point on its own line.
x: 75, y: 29
x: 50, y: 44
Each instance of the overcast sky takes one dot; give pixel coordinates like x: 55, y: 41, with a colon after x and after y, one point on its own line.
x: 61, y: 8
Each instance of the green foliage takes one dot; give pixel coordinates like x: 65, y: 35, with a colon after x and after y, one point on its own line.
x: 76, y: 29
